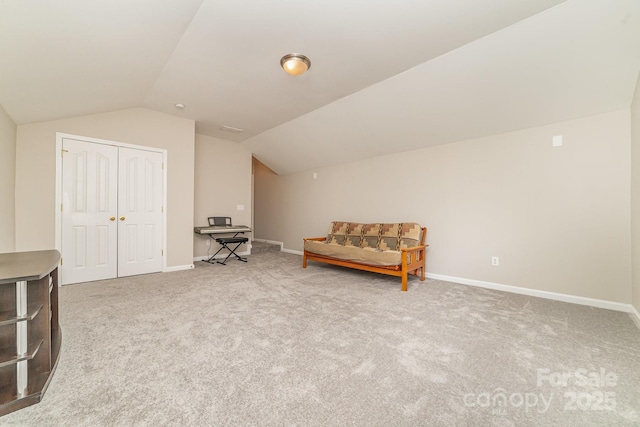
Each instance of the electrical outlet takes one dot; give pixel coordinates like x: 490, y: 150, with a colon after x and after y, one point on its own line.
x: 495, y: 261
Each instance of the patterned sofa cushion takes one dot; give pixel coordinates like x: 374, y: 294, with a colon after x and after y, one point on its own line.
x: 381, y: 237
x: 337, y: 233
x: 370, y: 236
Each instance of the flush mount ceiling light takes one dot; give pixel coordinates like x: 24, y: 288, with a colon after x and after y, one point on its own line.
x: 295, y: 63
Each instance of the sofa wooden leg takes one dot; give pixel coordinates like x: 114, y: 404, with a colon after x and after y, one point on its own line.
x: 404, y: 282
x: 304, y: 261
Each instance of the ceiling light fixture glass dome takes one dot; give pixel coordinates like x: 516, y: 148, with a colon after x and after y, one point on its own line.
x: 295, y: 64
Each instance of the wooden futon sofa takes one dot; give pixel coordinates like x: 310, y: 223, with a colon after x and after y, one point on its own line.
x: 396, y: 249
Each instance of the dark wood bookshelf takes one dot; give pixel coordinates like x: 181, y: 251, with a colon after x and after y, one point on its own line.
x: 30, y: 335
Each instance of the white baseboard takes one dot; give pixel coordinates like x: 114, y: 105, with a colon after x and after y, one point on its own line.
x: 635, y: 316
x: 178, y: 268
x: 272, y: 242
x: 281, y: 244
x: 291, y: 251
x: 610, y: 305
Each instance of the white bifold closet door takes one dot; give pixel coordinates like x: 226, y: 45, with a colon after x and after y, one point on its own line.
x: 140, y: 212
x: 111, y: 211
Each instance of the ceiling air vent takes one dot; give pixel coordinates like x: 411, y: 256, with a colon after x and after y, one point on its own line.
x: 231, y: 129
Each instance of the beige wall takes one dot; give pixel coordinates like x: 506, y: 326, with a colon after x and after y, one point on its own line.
x: 7, y: 182
x: 635, y: 195
x: 35, y: 172
x: 222, y: 182
x: 558, y: 218
x: 269, y: 200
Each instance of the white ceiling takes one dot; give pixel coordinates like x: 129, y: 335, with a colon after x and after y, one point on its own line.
x: 385, y: 76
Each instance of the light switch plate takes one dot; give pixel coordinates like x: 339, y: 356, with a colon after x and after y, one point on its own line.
x: 557, y: 141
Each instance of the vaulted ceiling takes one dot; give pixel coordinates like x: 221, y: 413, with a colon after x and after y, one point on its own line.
x: 385, y: 76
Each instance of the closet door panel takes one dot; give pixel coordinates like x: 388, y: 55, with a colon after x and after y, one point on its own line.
x: 140, y: 212
x: 89, y: 206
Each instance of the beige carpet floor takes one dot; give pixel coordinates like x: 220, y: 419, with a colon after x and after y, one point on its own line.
x: 270, y: 343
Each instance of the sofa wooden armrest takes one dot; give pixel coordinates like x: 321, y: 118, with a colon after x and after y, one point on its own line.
x: 412, y: 259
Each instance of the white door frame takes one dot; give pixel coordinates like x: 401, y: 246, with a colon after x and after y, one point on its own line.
x: 58, y: 215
